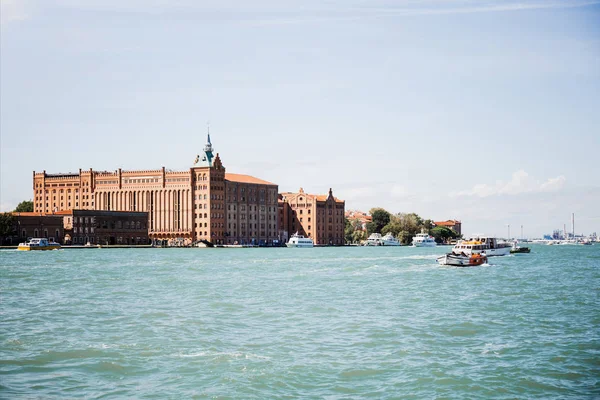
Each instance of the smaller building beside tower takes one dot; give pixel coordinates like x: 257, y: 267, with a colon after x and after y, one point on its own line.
x: 104, y: 227
x: 319, y: 217
x: 28, y: 225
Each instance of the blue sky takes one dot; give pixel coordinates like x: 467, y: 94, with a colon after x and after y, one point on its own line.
x: 484, y: 111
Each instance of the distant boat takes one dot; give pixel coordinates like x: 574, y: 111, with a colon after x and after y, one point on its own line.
x: 375, y: 239
x: 38, y: 244
x: 423, y: 240
x: 489, y: 246
x: 462, y: 260
x: 297, y: 240
x: 516, y: 249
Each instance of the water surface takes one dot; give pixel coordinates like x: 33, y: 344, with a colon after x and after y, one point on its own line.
x: 331, y: 323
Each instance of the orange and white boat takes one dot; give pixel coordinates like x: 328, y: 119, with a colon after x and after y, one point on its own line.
x: 462, y: 260
x: 38, y: 244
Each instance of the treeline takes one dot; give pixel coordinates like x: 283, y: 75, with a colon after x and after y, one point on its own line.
x: 403, y: 226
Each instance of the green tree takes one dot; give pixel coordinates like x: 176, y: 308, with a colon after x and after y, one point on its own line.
x: 443, y: 234
x: 7, y: 225
x: 25, y: 206
x: 359, y: 236
x: 348, y: 231
x: 394, y: 226
x: 380, y: 218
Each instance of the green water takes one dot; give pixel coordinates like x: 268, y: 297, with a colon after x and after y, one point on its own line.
x: 334, y: 323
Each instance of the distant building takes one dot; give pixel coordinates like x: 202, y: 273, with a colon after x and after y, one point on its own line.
x: 359, y: 219
x: 453, y: 224
x: 320, y: 217
x: 105, y: 227
x: 35, y: 225
x: 203, y: 203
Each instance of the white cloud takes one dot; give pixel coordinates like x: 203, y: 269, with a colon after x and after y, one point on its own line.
x: 553, y: 184
x: 520, y: 183
x: 399, y: 191
x: 13, y: 10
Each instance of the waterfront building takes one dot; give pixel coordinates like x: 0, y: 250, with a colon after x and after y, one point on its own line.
x: 199, y: 204
x: 358, y: 219
x: 104, y: 227
x: 34, y: 225
x: 319, y: 217
x: 453, y: 224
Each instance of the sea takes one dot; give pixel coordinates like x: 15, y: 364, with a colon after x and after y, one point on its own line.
x: 278, y: 323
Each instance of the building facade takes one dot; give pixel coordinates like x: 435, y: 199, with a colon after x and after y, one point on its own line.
x: 320, y: 217
x: 187, y: 205
x: 455, y: 225
x: 105, y: 227
x: 35, y: 225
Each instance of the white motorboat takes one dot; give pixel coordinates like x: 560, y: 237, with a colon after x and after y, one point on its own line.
x: 375, y: 239
x: 38, y: 244
x: 390, y: 240
x: 462, y: 260
x: 297, y: 240
x: 423, y: 240
x: 482, y: 245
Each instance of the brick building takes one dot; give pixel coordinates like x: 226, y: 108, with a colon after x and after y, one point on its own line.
x: 320, y: 217
x: 192, y: 204
x: 105, y: 227
x: 455, y: 225
x: 35, y: 225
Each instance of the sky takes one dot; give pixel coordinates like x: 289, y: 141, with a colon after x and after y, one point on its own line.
x: 483, y: 111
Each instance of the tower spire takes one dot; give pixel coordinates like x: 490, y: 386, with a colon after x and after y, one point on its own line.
x: 208, y: 130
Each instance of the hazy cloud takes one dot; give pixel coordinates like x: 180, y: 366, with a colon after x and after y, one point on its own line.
x: 520, y: 183
x: 13, y: 10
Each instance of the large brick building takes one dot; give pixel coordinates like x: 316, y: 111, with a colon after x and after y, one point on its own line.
x: 202, y: 203
x: 320, y: 217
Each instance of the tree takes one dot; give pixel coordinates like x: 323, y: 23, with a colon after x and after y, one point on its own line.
x: 348, y: 231
x: 358, y: 236
x: 25, y: 206
x: 443, y: 234
x: 380, y: 218
x: 7, y: 225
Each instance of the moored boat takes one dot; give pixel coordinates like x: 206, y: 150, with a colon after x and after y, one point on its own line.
x: 423, y: 240
x: 375, y: 239
x: 38, y: 244
x: 489, y: 246
x: 297, y: 240
x: 462, y: 260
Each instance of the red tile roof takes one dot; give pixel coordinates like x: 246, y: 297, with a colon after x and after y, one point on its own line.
x: 246, y: 179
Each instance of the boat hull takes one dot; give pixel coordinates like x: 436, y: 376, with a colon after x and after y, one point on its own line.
x: 425, y: 244
x: 462, y: 261
x: 299, y: 245
x: 38, y: 248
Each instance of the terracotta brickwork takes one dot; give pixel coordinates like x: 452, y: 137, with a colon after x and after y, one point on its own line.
x: 190, y: 204
x: 320, y: 217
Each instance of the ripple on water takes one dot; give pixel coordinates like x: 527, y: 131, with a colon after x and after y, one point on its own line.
x: 327, y: 322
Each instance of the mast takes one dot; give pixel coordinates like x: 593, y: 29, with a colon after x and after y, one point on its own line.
x: 573, y: 224
x: 521, y: 232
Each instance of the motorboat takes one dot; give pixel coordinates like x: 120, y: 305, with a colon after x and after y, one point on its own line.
x: 423, y: 240
x: 297, y: 240
x: 375, y: 239
x: 462, y: 260
x: 516, y: 249
x: 489, y: 246
x: 390, y: 240
x: 38, y: 244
